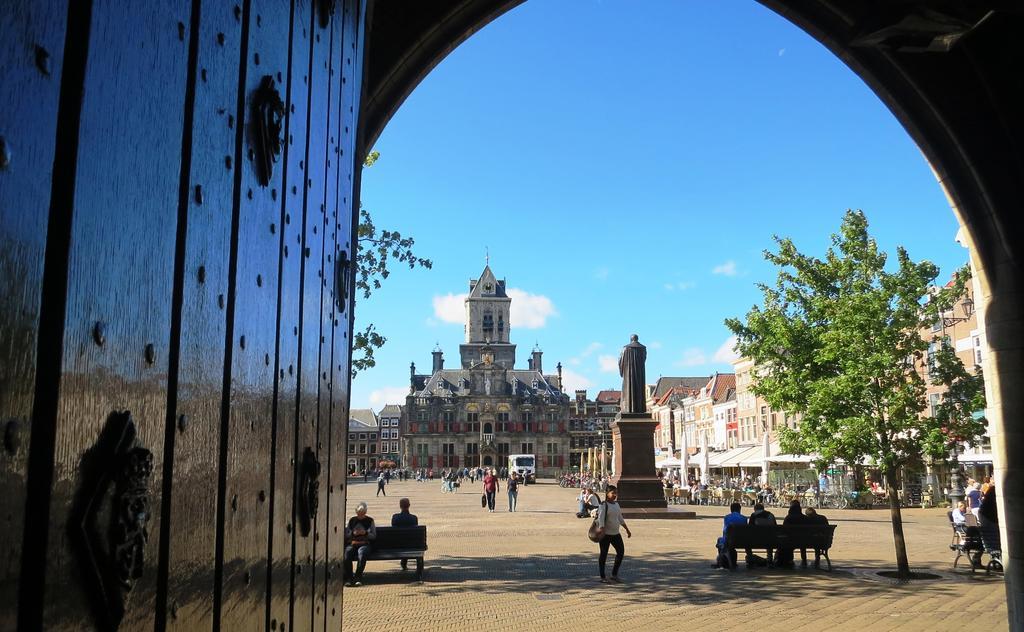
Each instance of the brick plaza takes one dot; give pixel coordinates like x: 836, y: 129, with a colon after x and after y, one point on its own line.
x: 536, y: 570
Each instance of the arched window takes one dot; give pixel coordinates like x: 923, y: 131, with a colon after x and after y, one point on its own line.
x: 488, y: 428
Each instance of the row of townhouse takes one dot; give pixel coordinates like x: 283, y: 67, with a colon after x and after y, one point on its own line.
x: 723, y: 411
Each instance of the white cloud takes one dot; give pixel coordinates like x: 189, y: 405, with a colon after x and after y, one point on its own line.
x: 693, y: 357
x: 726, y: 269
x: 591, y: 348
x: 571, y: 380
x: 782, y: 51
x: 601, y: 274
x: 388, y: 395
x: 725, y: 353
x: 450, y: 308
x: 608, y: 364
x: 655, y: 345
x: 529, y: 311
x: 670, y: 287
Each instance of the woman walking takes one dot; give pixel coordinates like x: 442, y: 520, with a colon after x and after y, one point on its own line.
x: 491, y: 488
x: 609, y: 517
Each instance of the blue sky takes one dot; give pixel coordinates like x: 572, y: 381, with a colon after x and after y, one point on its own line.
x: 626, y: 164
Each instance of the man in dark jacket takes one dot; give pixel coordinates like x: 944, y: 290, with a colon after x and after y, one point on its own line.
x: 404, y: 519
x: 760, y: 518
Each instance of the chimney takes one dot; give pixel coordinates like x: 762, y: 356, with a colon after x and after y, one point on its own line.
x: 438, y: 359
x: 536, y: 364
x: 529, y: 363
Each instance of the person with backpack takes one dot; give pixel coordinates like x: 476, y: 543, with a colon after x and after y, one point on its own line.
x: 609, y: 520
x: 512, y: 485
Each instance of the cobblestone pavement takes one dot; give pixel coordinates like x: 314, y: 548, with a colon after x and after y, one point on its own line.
x: 536, y: 570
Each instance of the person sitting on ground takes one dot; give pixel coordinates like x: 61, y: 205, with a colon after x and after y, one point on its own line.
x: 761, y: 517
x: 359, y: 534
x: 404, y: 519
x: 794, y: 518
x: 587, y: 501
x: 727, y: 557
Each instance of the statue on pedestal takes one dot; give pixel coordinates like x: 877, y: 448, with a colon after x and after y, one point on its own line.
x: 634, y: 378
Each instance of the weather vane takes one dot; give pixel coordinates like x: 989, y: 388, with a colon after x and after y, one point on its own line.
x: 487, y: 255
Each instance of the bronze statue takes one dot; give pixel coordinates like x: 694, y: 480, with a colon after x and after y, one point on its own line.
x: 634, y: 379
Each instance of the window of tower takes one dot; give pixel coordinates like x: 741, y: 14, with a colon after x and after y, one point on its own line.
x: 488, y: 323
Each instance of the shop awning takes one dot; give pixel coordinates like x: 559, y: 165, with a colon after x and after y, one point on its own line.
x: 976, y: 457
x: 733, y: 457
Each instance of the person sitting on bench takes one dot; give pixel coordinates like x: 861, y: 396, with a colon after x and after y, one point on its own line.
x: 794, y: 518
x: 813, y: 518
x: 727, y: 557
x: 404, y: 519
x: 760, y: 518
x: 359, y: 534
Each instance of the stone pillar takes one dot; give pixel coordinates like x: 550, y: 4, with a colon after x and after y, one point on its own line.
x: 635, y: 476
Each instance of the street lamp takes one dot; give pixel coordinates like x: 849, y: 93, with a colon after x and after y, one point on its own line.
x: 956, y: 489
x: 600, y: 436
x: 967, y: 306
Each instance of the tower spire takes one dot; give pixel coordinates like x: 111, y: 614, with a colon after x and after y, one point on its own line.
x: 487, y: 256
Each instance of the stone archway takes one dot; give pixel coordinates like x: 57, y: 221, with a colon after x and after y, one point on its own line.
x: 488, y: 460
x: 920, y: 59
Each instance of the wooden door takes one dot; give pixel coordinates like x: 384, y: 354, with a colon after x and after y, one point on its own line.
x: 177, y: 185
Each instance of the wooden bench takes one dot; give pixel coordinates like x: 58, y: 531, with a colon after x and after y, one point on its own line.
x: 400, y: 543
x: 773, y: 538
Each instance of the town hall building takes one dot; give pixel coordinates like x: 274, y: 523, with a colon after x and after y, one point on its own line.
x: 478, y: 413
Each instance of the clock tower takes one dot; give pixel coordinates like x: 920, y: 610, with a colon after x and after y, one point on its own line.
x: 487, y: 322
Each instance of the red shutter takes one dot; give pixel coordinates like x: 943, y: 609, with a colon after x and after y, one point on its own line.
x: 458, y: 428
x: 415, y: 462
x: 560, y: 460
x: 519, y: 427
x: 455, y: 461
x: 430, y: 462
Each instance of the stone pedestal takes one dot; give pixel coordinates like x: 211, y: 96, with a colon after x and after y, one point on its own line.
x: 636, y: 478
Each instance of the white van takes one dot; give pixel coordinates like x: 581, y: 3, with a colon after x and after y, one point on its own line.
x: 525, y: 465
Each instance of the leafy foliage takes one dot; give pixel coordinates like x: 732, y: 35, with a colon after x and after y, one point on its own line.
x: 836, y: 341
x: 376, y: 250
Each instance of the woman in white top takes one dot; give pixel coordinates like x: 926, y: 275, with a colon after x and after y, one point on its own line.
x: 609, y: 519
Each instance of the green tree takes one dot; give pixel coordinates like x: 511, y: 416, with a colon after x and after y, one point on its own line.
x: 376, y: 249
x: 836, y: 340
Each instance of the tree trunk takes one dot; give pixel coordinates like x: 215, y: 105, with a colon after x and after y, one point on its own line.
x: 902, y: 562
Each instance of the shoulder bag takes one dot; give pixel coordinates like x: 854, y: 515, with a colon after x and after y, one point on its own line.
x: 594, y: 532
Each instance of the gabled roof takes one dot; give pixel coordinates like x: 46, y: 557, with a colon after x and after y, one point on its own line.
x: 665, y: 383
x: 720, y: 384
x: 362, y: 417
x: 609, y: 397
x: 391, y: 410
x: 476, y: 288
